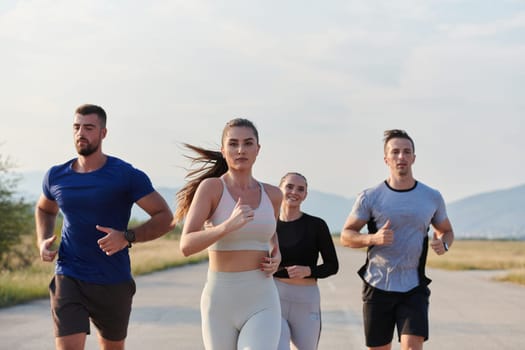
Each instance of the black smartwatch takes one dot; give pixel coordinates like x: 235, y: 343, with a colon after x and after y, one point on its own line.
x: 130, y: 237
x: 445, y: 245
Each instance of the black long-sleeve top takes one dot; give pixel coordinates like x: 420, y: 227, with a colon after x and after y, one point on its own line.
x: 301, y: 241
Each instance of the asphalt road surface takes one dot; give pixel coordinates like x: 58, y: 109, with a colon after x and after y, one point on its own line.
x: 467, y: 311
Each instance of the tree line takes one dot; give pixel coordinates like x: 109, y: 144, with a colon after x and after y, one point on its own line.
x: 16, y: 221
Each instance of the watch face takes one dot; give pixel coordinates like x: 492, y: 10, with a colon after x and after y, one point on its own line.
x: 130, y: 235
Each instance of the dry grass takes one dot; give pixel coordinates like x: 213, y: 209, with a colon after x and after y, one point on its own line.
x: 23, y: 285
x: 484, y: 255
x: 158, y: 255
x: 481, y: 255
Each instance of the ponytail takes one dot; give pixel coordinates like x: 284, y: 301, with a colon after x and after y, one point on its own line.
x: 210, y: 164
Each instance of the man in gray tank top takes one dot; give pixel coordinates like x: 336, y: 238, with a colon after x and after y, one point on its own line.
x: 398, y: 213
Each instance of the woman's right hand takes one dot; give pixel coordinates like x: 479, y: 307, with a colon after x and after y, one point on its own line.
x: 240, y: 216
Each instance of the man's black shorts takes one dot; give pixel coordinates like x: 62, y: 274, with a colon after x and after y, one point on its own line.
x: 383, y: 311
x: 74, y: 303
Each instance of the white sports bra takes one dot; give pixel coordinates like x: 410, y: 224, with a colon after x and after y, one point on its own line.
x: 255, y: 235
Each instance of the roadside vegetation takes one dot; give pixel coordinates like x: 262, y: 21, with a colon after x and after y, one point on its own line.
x: 485, y: 255
x: 15, y: 218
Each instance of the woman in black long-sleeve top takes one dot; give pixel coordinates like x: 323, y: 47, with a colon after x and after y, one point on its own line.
x: 302, y: 238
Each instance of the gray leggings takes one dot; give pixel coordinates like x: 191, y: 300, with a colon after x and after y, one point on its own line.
x: 301, y: 313
x: 240, y: 310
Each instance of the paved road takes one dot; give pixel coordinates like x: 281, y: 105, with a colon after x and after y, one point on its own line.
x: 468, y: 311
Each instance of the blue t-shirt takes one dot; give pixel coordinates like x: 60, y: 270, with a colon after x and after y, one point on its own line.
x: 103, y: 197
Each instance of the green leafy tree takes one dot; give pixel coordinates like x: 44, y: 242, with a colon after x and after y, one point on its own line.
x: 16, y: 219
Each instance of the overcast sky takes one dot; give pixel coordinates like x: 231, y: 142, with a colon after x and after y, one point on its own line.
x: 322, y: 80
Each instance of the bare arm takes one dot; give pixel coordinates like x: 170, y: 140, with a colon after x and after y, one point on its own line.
x: 158, y: 224
x: 160, y: 218
x: 271, y: 264
x: 443, y: 234
x: 46, y: 212
x: 351, y: 236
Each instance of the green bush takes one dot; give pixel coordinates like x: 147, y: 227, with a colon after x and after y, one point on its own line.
x: 16, y: 218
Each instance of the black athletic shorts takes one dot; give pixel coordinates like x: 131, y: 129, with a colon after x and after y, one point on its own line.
x: 383, y: 311
x: 74, y: 303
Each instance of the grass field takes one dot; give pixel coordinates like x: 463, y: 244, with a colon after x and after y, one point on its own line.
x: 31, y: 283
x: 484, y: 255
x: 158, y: 255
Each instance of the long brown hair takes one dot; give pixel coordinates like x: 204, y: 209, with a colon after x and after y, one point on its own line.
x: 206, y: 164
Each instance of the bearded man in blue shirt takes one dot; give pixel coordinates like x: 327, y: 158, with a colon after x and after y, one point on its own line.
x: 95, y: 193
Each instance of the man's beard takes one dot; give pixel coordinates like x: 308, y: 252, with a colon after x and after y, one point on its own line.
x: 88, y: 150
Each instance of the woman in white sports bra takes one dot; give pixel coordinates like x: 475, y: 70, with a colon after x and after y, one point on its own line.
x: 234, y: 216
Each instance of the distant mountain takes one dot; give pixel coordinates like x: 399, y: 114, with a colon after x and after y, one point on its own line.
x: 492, y: 215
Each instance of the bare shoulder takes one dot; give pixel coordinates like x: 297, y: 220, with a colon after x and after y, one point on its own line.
x: 203, y: 203
x: 273, y: 192
x: 211, y: 187
x: 211, y: 182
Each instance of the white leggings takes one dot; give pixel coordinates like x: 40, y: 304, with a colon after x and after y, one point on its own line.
x: 240, y: 310
x: 301, y: 313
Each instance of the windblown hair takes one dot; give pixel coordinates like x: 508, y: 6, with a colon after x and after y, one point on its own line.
x: 210, y: 164
x: 397, y: 134
x: 93, y: 109
x: 293, y: 173
x: 205, y: 164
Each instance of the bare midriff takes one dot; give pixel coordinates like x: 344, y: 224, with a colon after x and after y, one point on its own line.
x: 298, y: 281
x: 236, y: 260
